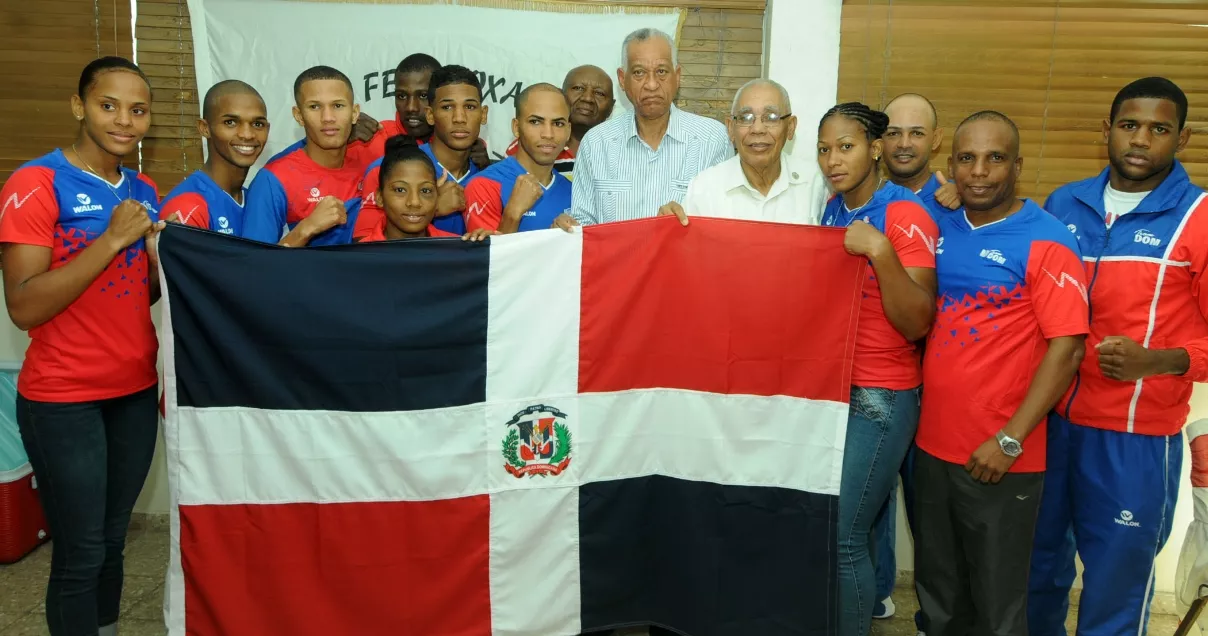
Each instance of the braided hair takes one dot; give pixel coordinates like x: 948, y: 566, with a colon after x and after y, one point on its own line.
x: 875, y: 122
x: 402, y: 149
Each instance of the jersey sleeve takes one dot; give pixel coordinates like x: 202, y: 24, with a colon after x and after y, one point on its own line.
x: 1197, y: 349
x: 30, y: 207
x: 370, y: 215
x: 265, y: 209
x: 150, y: 183
x: 190, y: 209
x: 912, y: 232
x: 484, y: 205
x: 1057, y: 282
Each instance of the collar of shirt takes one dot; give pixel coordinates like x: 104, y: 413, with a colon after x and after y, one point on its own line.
x: 733, y: 177
x: 675, y: 126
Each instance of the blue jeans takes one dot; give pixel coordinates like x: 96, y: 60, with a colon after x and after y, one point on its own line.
x: 885, y: 535
x: 90, y: 459
x: 880, y: 428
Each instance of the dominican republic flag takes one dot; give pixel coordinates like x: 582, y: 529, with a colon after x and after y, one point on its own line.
x: 541, y: 434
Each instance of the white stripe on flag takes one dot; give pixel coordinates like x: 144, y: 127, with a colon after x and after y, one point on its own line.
x: 533, y: 315
x: 535, y: 591
x: 240, y: 455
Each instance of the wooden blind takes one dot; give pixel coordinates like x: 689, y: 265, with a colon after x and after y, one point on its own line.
x: 721, y: 48
x: 1053, y: 66
x: 43, y: 47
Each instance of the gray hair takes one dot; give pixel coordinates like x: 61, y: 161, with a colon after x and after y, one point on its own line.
x: 641, y: 35
x: 784, y: 95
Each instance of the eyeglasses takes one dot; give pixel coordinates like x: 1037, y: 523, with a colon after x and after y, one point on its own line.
x: 747, y: 120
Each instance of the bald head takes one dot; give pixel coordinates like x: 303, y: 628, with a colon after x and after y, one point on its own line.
x: 523, y: 98
x: 588, y: 90
x: 783, y: 106
x: 1007, y: 129
x: 912, y: 108
x: 221, y: 90
x: 587, y: 73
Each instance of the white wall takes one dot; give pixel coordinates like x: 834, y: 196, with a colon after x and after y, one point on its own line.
x: 801, y: 52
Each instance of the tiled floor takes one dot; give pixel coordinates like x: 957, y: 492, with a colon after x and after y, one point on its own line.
x: 22, y: 586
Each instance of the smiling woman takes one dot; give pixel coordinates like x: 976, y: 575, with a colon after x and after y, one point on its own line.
x: 80, y: 278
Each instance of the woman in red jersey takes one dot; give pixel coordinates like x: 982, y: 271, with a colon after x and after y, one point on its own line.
x: 79, y: 278
x: 888, y: 225
x: 407, y: 193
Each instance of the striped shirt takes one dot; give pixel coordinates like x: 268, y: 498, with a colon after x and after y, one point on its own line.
x: 618, y: 177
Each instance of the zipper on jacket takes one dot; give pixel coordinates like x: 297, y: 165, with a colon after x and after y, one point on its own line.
x: 1090, y: 313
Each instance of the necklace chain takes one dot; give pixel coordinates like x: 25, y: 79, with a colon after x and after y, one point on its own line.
x: 112, y: 189
x: 852, y: 213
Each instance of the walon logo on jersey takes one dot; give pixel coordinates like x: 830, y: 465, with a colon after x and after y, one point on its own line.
x: 994, y: 255
x: 1145, y: 237
x: 1126, y: 519
x: 315, y: 195
x: 85, y: 204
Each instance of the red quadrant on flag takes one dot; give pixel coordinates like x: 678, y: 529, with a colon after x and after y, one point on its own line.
x: 306, y: 568
x: 721, y: 306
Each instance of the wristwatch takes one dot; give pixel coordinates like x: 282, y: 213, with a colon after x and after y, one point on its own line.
x: 1010, y: 447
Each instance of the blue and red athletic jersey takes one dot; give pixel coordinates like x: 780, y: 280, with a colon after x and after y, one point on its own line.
x: 371, y: 214
x: 375, y: 148
x: 488, y: 193
x: 286, y: 190
x: 200, y: 202
x: 1005, y: 289
x: 926, y: 194
x: 1147, y: 277
x: 885, y: 358
x: 103, y: 344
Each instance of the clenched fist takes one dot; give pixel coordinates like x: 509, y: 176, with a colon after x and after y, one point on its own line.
x: 865, y: 240
x: 128, y: 223
x: 526, y: 192
x: 328, y: 213
x: 450, y: 198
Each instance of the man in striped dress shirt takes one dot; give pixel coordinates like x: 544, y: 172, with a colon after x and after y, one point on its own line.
x: 630, y: 166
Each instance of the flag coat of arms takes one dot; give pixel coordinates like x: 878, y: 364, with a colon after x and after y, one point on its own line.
x: 541, y: 434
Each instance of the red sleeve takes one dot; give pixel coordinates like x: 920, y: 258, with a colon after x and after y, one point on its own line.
x: 1197, y: 348
x: 31, y: 209
x: 912, y: 232
x: 371, y: 214
x: 191, y: 207
x: 484, y: 204
x: 1057, y: 282
x: 151, y: 182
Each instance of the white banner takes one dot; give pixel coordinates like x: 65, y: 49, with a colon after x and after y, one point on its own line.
x: 267, y: 43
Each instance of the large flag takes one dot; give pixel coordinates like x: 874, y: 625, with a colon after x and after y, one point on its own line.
x: 541, y: 434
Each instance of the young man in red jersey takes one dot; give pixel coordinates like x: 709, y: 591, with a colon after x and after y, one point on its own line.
x: 588, y: 91
x: 293, y: 184
x: 457, y: 115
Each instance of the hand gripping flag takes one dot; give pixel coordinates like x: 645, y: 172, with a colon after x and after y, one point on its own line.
x: 541, y: 434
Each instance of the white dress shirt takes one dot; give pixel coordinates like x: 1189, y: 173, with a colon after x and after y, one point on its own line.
x: 618, y: 177
x: 798, y: 196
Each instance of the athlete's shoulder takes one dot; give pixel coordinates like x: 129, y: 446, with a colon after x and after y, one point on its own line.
x: 290, y: 153
x: 1046, y: 227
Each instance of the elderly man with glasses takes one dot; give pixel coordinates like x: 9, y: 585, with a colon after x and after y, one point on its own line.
x: 761, y: 182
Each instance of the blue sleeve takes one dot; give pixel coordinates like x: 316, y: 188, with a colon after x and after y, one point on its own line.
x: 265, y: 209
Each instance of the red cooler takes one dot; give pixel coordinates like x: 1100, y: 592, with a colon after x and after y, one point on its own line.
x: 22, y: 523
